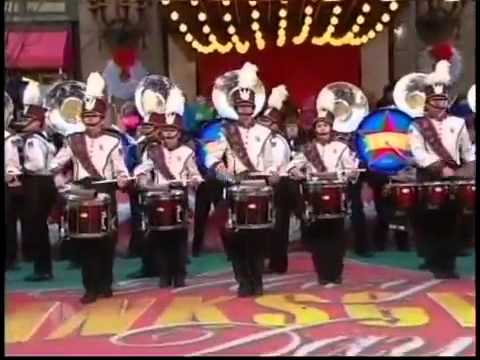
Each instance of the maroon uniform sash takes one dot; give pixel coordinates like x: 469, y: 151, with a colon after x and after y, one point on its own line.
x: 311, y: 153
x: 427, y: 129
x: 155, y: 152
x: 234, y: 139
x: 78, y: 145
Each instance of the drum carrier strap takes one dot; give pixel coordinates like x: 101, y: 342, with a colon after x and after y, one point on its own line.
x: 155, y: 152
x: 234, y: 139
x: 430, y: 135
x: 78, y: 145
x: 311, y: 153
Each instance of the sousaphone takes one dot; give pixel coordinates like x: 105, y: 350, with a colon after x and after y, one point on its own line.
x: 471, y: 98
x: 350, y: 105
x: 409, y: 94
x: 160, y: 86
x: 64, y: 102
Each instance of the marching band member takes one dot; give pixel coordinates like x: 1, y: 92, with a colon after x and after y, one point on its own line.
x: 169, y: 161
x: 13, y: 193
x: 39, y: 190
x: 286, y: 191
x: 243, y: 147
x: 324, y: 154
x: 440, y: 145
x: 96, y: 154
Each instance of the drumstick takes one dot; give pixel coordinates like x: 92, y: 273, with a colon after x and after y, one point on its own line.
x: 260, y: 173
x: 111, y: 181
x: 399, y: 153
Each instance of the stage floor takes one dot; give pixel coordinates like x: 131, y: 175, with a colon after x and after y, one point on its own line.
x: 384, y: 307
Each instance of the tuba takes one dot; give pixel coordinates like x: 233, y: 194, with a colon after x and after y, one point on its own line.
x: 350, y: 105
x: 64, y: 102
x: 160, y: 86
x: 8, y: 110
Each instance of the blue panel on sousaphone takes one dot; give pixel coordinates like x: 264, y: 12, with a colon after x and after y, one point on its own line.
x: 208, y: 134
x: 382, y: 141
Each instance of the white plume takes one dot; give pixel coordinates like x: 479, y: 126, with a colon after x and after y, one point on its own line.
x: 32, y: 94
x: 175, y: 101
x: 247, y: 76
x: 327, y: 101
x: 95, y: 85
x: 441, y: 75
x: 278, y: 96
x: 152, y: 102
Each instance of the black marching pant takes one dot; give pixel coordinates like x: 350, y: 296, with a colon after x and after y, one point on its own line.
x: 14, y: 207
x: 169, y: 253
x: 97, y: 255
x: 286, y: 200
x: 437, y: 233
x: 358, y: 219
x: 209, y: 192
x: 96, y: 263
x: 40, y: 194
x: 327, y: 243
x: 247, y: 249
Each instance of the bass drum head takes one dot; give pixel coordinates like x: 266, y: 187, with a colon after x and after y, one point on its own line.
x: 382, y: 141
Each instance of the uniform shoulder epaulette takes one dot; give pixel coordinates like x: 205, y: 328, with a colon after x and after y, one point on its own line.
x: 114, y: 133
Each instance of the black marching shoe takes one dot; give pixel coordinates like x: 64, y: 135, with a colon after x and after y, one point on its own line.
x: 108, y: 293
x: 323, y: 281
x: 88, y: 298
x: 164, y: 282
x: 39, y: 277
x: 442, y: 274
x: 338, y: 280
x: 244, y: 290
x: 179, y: 281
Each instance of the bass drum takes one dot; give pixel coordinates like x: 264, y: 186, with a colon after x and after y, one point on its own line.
x: 382, y: 141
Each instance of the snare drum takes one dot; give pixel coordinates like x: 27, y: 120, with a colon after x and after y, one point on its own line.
x: 404, y: 196
x: 88, y: 218
x: 164, y: 210
x: 250, y: 207
x: 324, y: 199
x: 465, y: 195
x: 435, y: 195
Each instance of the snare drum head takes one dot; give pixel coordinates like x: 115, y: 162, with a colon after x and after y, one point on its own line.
x: 251, y: 190
x: 382, y: 141
x: 164, y: 195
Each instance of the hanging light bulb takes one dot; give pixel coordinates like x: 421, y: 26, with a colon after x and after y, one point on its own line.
x: 385, y: 18
x: 337, y: 10
x: 165, y: 2
x: 371, y: 34
x: 174, y: 16
x: 334, y: 20
x: 188, y: 37
x: 378, y: 27
x: 212, y: 38
x: 235, y: 38
x: 202, y: 16
x: 255, y: 14
x: 252, y: 3
x: 194, y: 2
x: 393, y: 6
x: 355, y: 28
x: 255, y: 26
x: 226, y: 2
x: 360, y: 19
x: 282, y: 13
x: 308, y: 10
x: 282, y: 23
x: 366, y: 8
x: 183, y: 27
x: 308, y: 20
x: 231, y: 30
x: 227, y: 17
x: 330, y: 28
x: 206, y: 29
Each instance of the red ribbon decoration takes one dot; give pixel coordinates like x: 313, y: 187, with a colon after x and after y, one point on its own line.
x: 125, y: 58
x: 442, y: 51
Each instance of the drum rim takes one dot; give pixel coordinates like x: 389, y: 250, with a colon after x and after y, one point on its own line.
x: 335, y: 183
x: 249, y: 189
x: 163, y: 192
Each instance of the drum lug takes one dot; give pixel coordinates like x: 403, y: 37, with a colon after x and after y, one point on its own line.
x: 230, y: 220
x: 62, y: 227
x: 179, y: 214
x: 144, y: 222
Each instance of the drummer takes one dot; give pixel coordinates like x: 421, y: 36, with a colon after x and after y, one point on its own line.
x: 243, y: 148
x: 170, y: 160
x: 442, y: 149
x: 96, y: 154
x: 325, y: 156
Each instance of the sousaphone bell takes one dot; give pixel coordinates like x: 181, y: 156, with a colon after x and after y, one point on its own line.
x: 64, y: 101
x: 160, y: 86
x: 350, y: 105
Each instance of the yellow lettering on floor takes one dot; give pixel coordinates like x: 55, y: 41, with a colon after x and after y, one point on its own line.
x: 304, y: 315
x: 380, y: 314
x: 105, y: 317
x: 188, y: 308
x: 460, y: 309
x: 22, y: 323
